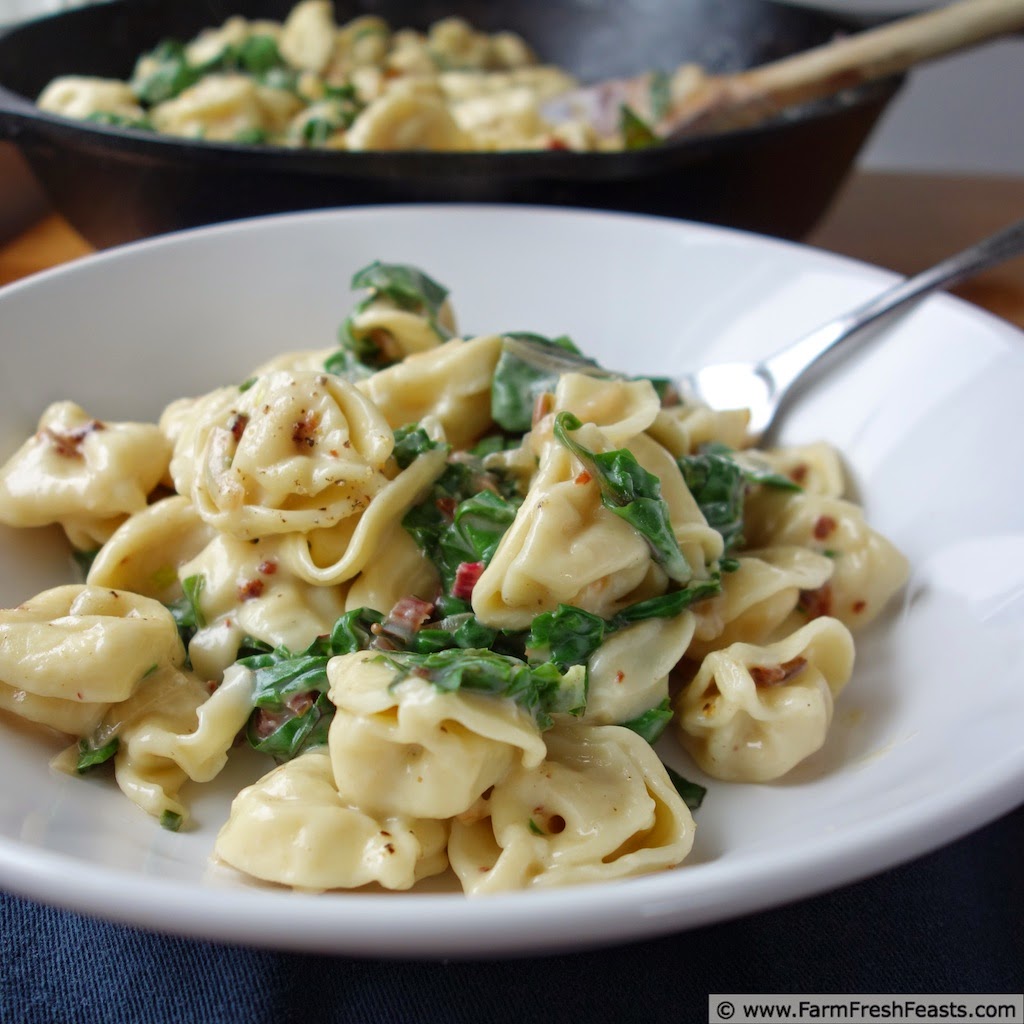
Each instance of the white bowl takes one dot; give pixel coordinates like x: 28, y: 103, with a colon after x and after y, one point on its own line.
x: 927, y: 741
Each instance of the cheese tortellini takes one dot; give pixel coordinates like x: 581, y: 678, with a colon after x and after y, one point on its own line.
x: 293, y: 452
x: 308, y: 82
x: 70, y: 653
x: 399, y: 745
x: 462, y: 593
x: 82, y: 473
x: 600, y: 806
x: 294, y: 828
x: 754, y: 712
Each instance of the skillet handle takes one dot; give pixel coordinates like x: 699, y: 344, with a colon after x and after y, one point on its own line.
x: 15, y: 113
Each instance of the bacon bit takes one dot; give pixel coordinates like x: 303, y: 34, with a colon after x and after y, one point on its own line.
x: 267, y: 567
x: 333, y: 453
x: 265, y: 723
x: 250, y: 589
x: 773, y: 675
x: 824, y: 527
x: 542, y: 405
x: 237, y: 425
x: 583, y: 478
x: 407, y: 616
x: 385, y: 344
x: 670, y: 397
x: 814, y: 603
x: 446, y: 506
x: 858, y: 607
x: 304, y: 429
x: 300, y: 703
x: 557, y: 144
x: 798, y: 474
x: 620, y: 676
x: 466, y: 576
x: 68, y: 445
x: 212, y: 685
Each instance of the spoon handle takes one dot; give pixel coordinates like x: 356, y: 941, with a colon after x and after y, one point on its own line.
x: 748, y: 97
x: 786, y: 366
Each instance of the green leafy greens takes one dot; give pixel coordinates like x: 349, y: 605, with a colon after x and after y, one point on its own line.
x: 719, y: 485
x: 636, y: 132
x: 652, y: 723
x: 462, y: 519
x: 410, y: 290
x: 292, y: 712
x: 542, y: 690
x: 164, y: 73
x: 692, y: 793
x: 90, y: 755
x: 631, y: 493
x: 529, y: 366
x: 186, y: 611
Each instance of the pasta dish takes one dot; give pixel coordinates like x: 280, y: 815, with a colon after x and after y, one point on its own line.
x: 307, y: 82
x: 454, y: 588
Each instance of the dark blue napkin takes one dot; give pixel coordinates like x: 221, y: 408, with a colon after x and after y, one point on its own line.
x: 951, y: 922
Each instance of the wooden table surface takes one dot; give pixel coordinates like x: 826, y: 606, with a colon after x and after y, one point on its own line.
x: 902, y: 222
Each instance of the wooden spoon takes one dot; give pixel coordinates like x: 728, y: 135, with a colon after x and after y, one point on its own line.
x: 697, y: 103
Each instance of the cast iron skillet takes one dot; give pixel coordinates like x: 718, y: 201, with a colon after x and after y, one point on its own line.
x: 115, y: 184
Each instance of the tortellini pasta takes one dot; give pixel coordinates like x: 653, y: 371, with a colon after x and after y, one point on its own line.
x: 450, y: 383
x: 400, y: 746
x: 88, y: 644
x: 224, y: 107
x: 867, y: 568
x: 247, y: 591
x: 146, y: 553
x: 758, y: 596
x: 154, y: 728
x: 69, y: 653
x: 461, y: 594
x: 292, y: 827
x: 600, y: 806
x: 752, y: 713
x: 84, y: 96
x: 83, y: 473
x: 628, y: 675
x: 309, y: 82
x: 294, y: 452
x: 564, y: 547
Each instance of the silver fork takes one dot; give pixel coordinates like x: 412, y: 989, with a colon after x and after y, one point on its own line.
x: 765, y: 386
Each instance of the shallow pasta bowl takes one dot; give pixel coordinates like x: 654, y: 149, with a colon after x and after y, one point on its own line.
x: 925, y: 745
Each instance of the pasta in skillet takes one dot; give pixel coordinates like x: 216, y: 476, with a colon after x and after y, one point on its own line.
x: 454, y: 589
x: 309, y: 83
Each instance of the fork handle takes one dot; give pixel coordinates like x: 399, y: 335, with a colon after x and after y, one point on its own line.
x: 788, y: 364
